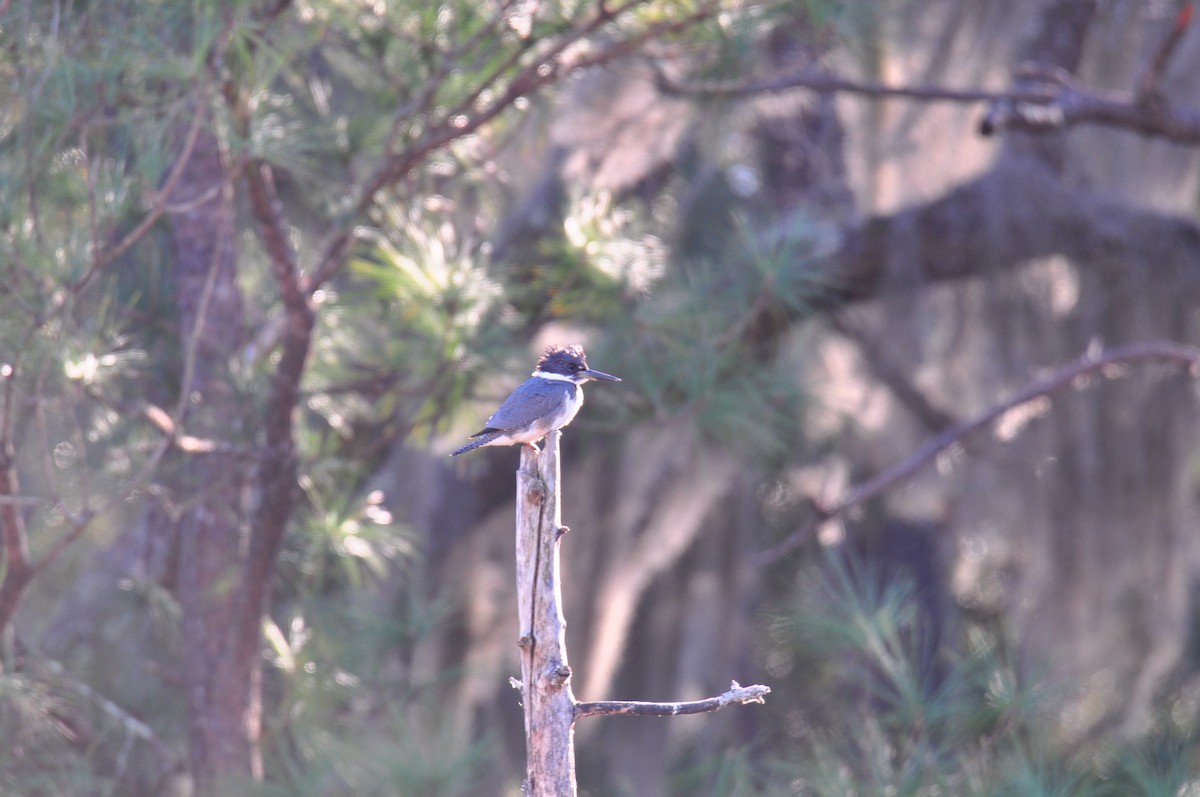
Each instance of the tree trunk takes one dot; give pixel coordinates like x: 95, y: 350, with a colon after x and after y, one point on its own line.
x: 220, y: 679
x: 545, y: 675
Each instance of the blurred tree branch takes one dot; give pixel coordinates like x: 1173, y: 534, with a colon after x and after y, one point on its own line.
x: 278, y: 464
x: 1049, y: 99
x: 1075, y: 376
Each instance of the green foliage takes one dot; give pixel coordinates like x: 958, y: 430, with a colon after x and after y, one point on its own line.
x: 1163, y: 765
x: 341, y: 541
x: 693, y: 348
x: 606, y: 261
x: 874, y: 717
x: 735, y: 773
x: 28, y: 709
x: 59, y: 740
x: 409, y: 750
x: 684, y: 294
x: 350, y: 720
x: 98, y: 97
x: 402, y: 342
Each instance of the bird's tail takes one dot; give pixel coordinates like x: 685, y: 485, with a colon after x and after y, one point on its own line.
x: 482, y: 440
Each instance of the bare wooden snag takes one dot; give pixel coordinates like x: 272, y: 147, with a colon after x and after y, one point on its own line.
x: 545, y: 675
x: 545, y: 685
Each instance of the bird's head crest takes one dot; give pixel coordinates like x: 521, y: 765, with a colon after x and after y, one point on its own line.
x: 562, y: 355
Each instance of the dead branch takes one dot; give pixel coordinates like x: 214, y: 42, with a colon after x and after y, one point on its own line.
x: 1077, y: 375
x: 1051, y: 101
x: 1078, y: 106
x: 545, y: 674
x: 637, y: 708
x: 545, y: 686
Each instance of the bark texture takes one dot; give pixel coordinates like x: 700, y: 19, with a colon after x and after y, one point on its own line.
x: 222, y: 688
x: 545, y: 674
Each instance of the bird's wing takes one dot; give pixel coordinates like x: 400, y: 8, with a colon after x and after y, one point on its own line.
x: 528, y: 403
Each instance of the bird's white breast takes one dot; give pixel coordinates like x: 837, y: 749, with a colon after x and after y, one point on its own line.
x: 569, y: 411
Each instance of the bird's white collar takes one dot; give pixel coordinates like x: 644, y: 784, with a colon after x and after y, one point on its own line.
x: 540, y: 374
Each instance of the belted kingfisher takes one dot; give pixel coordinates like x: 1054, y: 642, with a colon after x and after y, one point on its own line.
x: 548, y: 400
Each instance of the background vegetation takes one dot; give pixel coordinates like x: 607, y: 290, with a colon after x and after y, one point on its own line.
x: 264, y: 263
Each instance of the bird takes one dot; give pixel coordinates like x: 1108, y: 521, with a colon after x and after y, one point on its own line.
x: 547, y: 400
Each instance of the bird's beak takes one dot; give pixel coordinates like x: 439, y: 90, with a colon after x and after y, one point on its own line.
x: 590, y: 374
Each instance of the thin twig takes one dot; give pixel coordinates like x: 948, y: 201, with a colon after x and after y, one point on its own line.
x: 828, y: 83
x: 133, y: 726
x: 172, y: 430
x: 932, y: 417
x: 1076, y: 375
x: 1151, y: 81
x: 737, y: 694
x: 1055, y: 105
x: 79, y: 524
